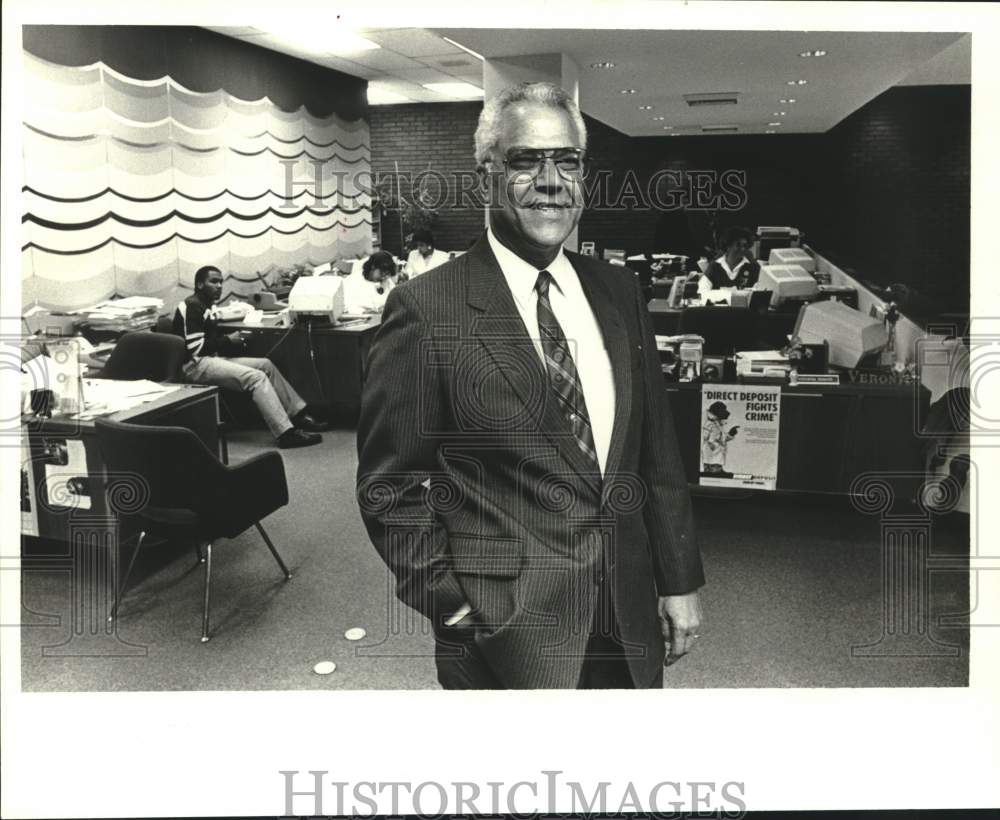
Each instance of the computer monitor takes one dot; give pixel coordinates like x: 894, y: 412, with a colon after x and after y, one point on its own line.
x: 317, y: 298
x: 787, y: 282
x: 851, y: 335
x: 792, y: 256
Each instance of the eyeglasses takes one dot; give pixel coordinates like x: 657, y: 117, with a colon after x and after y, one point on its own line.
x: 525, y: 164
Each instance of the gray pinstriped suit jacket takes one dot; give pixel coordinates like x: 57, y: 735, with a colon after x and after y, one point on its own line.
x: 472, y: 488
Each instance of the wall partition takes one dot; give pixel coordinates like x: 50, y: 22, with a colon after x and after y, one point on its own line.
x: 139, y: 168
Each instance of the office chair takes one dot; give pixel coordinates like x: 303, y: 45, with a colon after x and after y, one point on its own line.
x: 158, y: 357
x: 724, y: 329
x: 165, y: 480
x: 144, y: 355
x: 164, y: 324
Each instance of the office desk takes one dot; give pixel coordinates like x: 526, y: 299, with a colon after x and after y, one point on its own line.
x: 773, y: 327
x: 334, y: 380
x: 828, y: 434
x: 192, y: 406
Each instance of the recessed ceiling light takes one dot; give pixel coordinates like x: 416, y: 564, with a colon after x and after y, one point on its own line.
x: 796, y: 82
x: 816, y: 53
x: 773, y: 124
x: 603, y: 64
x: 668, y: 128
x: 769, y: 132
x: 333, y: 42
x: 628, y: 91
x: 779, y: 113
x: 379, y: 95
x: 788, y: 102
x: 645, y: 108
x: 463, y: 91
x: 658, y: 119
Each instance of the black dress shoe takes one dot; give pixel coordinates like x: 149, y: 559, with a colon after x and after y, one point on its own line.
x: 298, y: 438
x: 309, y: 423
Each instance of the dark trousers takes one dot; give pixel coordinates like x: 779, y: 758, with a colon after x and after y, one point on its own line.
x: 461, y: 664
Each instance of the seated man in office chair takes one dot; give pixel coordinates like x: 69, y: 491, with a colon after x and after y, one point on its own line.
x: 214, y: 358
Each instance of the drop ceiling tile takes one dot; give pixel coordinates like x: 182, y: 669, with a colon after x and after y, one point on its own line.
x: 423, y: 75
x: 413, y: 42
x: 383, y: 60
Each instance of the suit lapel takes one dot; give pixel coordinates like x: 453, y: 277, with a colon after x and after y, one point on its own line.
x: 501, y: 331
x: 616, y: 343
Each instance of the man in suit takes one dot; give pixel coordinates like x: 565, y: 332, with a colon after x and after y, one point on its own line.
x: 518, y: 467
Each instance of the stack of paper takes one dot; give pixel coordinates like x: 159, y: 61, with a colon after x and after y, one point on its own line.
x: 101, y: 396
x: 130, y: 313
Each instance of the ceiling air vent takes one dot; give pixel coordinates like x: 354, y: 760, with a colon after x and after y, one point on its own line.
x: 719, y: 129
x: 453, y: 63
x: 717, y: 98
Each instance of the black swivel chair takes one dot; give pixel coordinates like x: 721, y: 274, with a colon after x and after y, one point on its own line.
x: 158, y: 357
x: 167, y: 481
x: 145, y: 355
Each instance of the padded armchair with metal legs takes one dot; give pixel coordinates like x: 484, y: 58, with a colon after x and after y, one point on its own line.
x: 158, y: 357
x: 176, y: 487
x: 145, y: 355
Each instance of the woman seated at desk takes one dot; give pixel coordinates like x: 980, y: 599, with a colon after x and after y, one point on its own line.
x: 735, y: 269
x: 365, y: 291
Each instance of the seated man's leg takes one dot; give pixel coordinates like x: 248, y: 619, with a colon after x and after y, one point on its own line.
x: 294, y: 404
x: 290, y: 400
x: 231, y: 374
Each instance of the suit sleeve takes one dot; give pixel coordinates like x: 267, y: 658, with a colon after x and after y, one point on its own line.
x: 402, y: 400
x: 668, y: 515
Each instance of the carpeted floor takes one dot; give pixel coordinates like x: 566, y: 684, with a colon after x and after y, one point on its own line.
x: 793, y: 584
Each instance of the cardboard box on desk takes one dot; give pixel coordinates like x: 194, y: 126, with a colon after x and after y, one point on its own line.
x: 850, y: 334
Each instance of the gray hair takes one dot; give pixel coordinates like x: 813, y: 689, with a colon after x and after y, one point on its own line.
x: 490, y: 120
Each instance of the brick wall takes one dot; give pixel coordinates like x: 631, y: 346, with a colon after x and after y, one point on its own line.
x: 897, y: 176
x: 885, y: 193
x: 436, y: 136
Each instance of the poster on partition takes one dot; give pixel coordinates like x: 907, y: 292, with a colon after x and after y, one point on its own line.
x: 67, y: 480
x: 739, y: 435
x: 29, y: 501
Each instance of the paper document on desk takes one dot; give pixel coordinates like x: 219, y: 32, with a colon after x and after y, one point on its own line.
x: 103, y: 396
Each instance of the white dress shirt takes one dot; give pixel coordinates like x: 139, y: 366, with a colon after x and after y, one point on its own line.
x: 705, y: 284
x: 362, y: 296
x: 580, y: 327
x: 416, y: 263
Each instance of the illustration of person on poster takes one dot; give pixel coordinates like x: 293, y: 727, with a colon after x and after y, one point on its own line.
x: 715, y: 439
x: 739, y: 435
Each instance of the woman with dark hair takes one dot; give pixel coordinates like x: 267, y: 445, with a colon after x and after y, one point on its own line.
x: 367, y: 292
x: 424, y: 255
x: 735, y: 268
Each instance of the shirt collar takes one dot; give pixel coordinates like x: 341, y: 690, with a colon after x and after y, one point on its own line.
x: 731, y: 271
x: 521, y: 276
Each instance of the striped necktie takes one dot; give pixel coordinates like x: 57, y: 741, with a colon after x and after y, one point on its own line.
x: 562, y: 374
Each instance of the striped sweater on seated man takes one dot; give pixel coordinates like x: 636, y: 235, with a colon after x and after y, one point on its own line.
x: 198, y: 324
